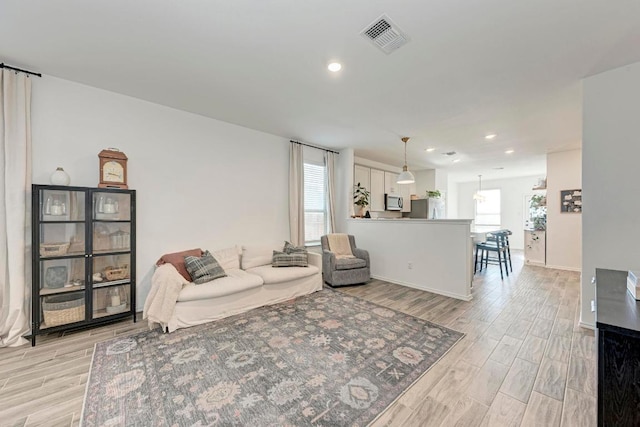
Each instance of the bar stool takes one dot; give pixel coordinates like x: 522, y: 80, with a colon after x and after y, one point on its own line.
x: 499, y: 246
x: 491, y: 239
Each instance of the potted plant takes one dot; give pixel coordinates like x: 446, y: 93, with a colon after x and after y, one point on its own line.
x: 361, y: 198
x: 435, y: 194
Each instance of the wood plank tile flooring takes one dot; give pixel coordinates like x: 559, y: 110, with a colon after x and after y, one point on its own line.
x: 524, y: 359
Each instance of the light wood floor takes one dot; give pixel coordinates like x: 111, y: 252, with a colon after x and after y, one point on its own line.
x: 523, y: 361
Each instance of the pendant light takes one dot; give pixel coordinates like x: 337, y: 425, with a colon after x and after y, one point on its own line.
x: 478, y: 195
x: 405, y: 177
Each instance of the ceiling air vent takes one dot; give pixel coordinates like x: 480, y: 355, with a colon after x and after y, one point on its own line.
x: 385, y: 34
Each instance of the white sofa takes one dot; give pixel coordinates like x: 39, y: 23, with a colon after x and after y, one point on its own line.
x: 251, y: 282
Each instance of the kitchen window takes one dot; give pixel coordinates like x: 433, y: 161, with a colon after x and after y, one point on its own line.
x: 488, y: 211
x: 315, y: 202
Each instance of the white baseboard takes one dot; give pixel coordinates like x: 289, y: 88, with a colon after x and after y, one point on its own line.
x: 587, y: 325
x: 425, y: 288
x: 535, y: 263
x: 561, y: 267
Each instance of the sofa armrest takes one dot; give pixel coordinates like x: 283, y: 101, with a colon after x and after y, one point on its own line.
x: 362, y: 254
x: 315, y: 259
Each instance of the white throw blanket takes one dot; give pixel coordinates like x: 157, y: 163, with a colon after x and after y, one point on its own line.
x: 339, y: 244
x: 166, y: 285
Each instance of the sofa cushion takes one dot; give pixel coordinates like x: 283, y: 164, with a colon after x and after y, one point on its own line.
x: 228, y: 258
x: 236, y: 281
x: 272, y: 275
x: 350, y: 263
x: 203, y: 269
x: 255, y: 256
x: 177, y: 260
x: 294, y: 259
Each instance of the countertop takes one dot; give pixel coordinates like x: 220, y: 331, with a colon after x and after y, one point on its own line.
x: 615, y: 307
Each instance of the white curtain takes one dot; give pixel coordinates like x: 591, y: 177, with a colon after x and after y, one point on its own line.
x: 15, y: 206
x: 330, y: 162
x: 296, y: 194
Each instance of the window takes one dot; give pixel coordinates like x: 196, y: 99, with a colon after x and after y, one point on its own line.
x: 315, y: 203
x: 488, y: 211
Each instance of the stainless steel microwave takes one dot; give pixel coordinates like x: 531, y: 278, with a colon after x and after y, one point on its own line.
x: 392, y: 202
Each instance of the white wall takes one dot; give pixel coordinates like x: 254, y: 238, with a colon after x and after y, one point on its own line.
x: 425, y: 180
x: 200, y: 182
x: 564, y: 230
x: 610, y: 158
x: 344, y: 189
x: 512, y: 194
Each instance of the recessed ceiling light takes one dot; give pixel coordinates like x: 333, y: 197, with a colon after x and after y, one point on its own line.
x: 429, y: 150
x: 490, y: 136
x: 335, y: 67
x: 456, y: 160
x: 508, y: 152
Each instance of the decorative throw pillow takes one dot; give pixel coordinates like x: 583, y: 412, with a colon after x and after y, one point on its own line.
x: 294, y: 259
x: 177, y: 260
x: 203, y: 269
x: 289, y: 248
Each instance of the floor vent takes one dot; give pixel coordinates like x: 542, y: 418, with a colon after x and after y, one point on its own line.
x: 385, y: 34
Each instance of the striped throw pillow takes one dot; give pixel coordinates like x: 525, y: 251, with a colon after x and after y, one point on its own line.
x: 295, y: 259
x: 203, y: 269
x: 290, y: 248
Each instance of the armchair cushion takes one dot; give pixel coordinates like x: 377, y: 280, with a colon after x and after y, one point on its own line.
x: 350, y: 263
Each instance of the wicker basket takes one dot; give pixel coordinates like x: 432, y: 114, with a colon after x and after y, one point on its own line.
x: 54, y: 249
x: 63, y: 309
x: 116, y: 273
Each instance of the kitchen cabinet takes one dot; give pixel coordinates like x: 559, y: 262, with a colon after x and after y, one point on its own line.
x: 361, y: 174
x: 618, y: 336
x: 377, y: 190
x: 535, y: 247
x: 84, y: 258
x: 406, y: 190
x: 390, y: 184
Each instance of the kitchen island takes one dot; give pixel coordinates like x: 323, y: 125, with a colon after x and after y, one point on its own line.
x: 431, y: 255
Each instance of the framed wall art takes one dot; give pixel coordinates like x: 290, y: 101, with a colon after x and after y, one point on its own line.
x: 571, y: 201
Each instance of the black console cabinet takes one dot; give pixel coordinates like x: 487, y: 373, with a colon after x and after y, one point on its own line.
x: 618, y: 323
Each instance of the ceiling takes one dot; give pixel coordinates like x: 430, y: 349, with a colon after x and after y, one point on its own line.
x: 470, y: 68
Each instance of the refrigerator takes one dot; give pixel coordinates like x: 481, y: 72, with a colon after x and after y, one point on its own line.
x: 430, y: 208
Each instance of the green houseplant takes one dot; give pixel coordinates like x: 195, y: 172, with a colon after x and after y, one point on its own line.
x: 433, y: 194
x: 361, y: 197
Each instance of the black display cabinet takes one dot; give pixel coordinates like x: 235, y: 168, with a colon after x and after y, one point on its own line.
x: 84, y: 257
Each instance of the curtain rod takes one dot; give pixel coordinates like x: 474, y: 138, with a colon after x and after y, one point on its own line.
x: 19, y: 70
x: 313, y: 146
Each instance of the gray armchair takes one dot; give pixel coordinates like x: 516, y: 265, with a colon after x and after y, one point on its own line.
x: 343, y: 272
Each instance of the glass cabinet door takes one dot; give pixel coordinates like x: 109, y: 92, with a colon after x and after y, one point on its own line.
x: 62, y: 257
x: 111, y: 284
x: 62, y: 298
x: 61, y: 205
x: 111, y: 206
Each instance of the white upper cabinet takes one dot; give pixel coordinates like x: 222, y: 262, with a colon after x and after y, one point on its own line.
x: 377, y: 190
x: 405, y: 192
x: 390, y: 184
x: 361, y: 174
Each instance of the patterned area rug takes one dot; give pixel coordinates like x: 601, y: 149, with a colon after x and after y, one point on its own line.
x: 323, y: 359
